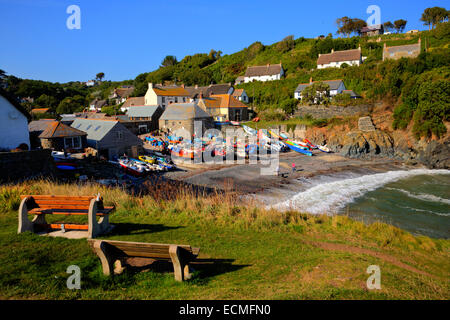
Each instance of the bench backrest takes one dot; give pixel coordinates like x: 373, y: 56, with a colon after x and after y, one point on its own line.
x: 146, y: 250
x: 59, y: 202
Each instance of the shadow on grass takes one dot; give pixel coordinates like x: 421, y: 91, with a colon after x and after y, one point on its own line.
x: 203, y: 269
x: 121, y: 229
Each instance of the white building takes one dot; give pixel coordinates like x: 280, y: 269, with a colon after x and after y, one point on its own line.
x: 13, y: 123
x: 164, y: 95
x: 268, y: 72
x: 241, y: 95
x: 336, y: 59
x: 336, y: 87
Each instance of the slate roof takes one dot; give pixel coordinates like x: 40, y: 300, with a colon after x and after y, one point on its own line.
x: 142, y: 111
x: 267, y: 70
x: 339, y: 56
x: 59, y: 130
x: 404, y: 48
x: 171, y: 91
x: 135, y: 101
x: 39, y: 125
x: 96, y: 129
x: 372, y: 28
x: 98, y: 103
x: 207, y: 91
x: 183, y: 111
x: 334, y: 84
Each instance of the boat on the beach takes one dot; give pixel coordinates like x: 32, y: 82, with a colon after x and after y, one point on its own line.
x: 132, y: 167
x: 324, y: 149
x: 147, y: 159
x: 249, y: 130
x: 294, y: 146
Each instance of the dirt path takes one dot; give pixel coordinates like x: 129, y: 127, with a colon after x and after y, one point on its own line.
x: 376, y: 254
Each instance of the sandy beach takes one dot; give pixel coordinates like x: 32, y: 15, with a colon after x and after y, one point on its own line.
x: 247, y: 178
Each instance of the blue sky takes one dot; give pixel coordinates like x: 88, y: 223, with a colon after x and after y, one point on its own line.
x: 125, y: 38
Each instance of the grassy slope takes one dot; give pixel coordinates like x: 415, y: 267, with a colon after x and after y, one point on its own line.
x: 247, y: 253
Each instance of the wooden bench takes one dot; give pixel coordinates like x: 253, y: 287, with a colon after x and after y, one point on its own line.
x: 40, y: 205
x: 111, y: 251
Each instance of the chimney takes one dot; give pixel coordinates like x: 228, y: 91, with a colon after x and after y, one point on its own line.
x: 150, y: 85
x: 182, y: 85
x: 332, y: 50
x: 359, y: 48
x: 385, y: 45
x: 196, y: 86
x: 320, y: 54
x: 200, y: 96
x: 310, y: 80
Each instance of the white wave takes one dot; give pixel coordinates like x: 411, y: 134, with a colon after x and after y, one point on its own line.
x: 328, y: 198
x: 427, y: 211
x: 422, y: 196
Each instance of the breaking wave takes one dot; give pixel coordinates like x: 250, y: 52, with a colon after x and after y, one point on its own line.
x: 422, y: 196
x: 328, y: 198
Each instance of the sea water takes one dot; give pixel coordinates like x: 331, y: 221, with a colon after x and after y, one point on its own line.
x: 415, y: 200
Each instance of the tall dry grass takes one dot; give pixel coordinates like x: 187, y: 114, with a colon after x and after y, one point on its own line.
x: 175, y: 204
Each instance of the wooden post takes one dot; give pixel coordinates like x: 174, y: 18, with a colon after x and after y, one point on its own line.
x: 178, y: 267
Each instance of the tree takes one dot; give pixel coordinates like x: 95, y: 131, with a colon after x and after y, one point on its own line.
x: 388, y: 26
x: 316, y: 93
x: 432, y: 16
x: 289, y: 105
x: 169, y: 61
x: 47, y: 101
x: 100, y: 76
x: 400, y: 25
x: 71, y: 105
x: 347, y: 25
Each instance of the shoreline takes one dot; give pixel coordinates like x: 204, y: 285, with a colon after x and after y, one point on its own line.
x: 247, y: 180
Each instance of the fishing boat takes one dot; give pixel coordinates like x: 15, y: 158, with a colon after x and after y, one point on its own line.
x: 147, y: 159
x: 132, y: 167
x: 249, y: 130
x: 294, y: 146
x: 324, y: 149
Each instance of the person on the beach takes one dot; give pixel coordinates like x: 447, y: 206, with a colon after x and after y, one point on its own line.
x: 293, y: 167
x: 278, y: 170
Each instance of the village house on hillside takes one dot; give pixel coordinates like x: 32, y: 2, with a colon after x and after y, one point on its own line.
x: 336, y: 87
x: 182, y: 116
x: 109, y: 137
x: 164, y: 95
x: 268, y: 72
x: 35, y: 128
x: 13, y: 123
x: 120, y: 95
x: 134, y: 101
x: 225, y: 88
x: 239, y: 80
x: 224, y: 107
x: 240, y: 95
x: 336, y: 59
x: 61, y: 137
x: 374, y: 30
x: 97, y: 105
x: 144, y: 118
x: 405, y: 51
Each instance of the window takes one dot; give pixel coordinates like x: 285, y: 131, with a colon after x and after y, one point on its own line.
x: 166, y: 122
x: 72, y: 142
x: 88, y: 127
x: 163, y: 99
x: 119, y: 135
x: 176, y: 100
x: 98, y: 127
x: 184, y: 99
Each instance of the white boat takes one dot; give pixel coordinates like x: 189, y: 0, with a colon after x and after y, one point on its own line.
x: 324, y: 148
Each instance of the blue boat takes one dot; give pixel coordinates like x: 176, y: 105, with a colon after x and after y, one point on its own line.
x: 297, y: 148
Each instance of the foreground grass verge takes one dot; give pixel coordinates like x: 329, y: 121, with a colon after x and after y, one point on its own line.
x: 246, y: 253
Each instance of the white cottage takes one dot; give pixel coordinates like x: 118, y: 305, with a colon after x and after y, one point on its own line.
x: 336, y: 59
x: 13, y: 123
x: 336, y: 87
x: 268, y: 72
x: 164, y: 95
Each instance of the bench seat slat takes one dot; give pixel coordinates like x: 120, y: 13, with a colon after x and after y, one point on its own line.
x: 48, y: 197
x: 66, y: 212
x: 67, y: 226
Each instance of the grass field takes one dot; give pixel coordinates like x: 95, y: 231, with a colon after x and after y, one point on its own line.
x: 246, y: 253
